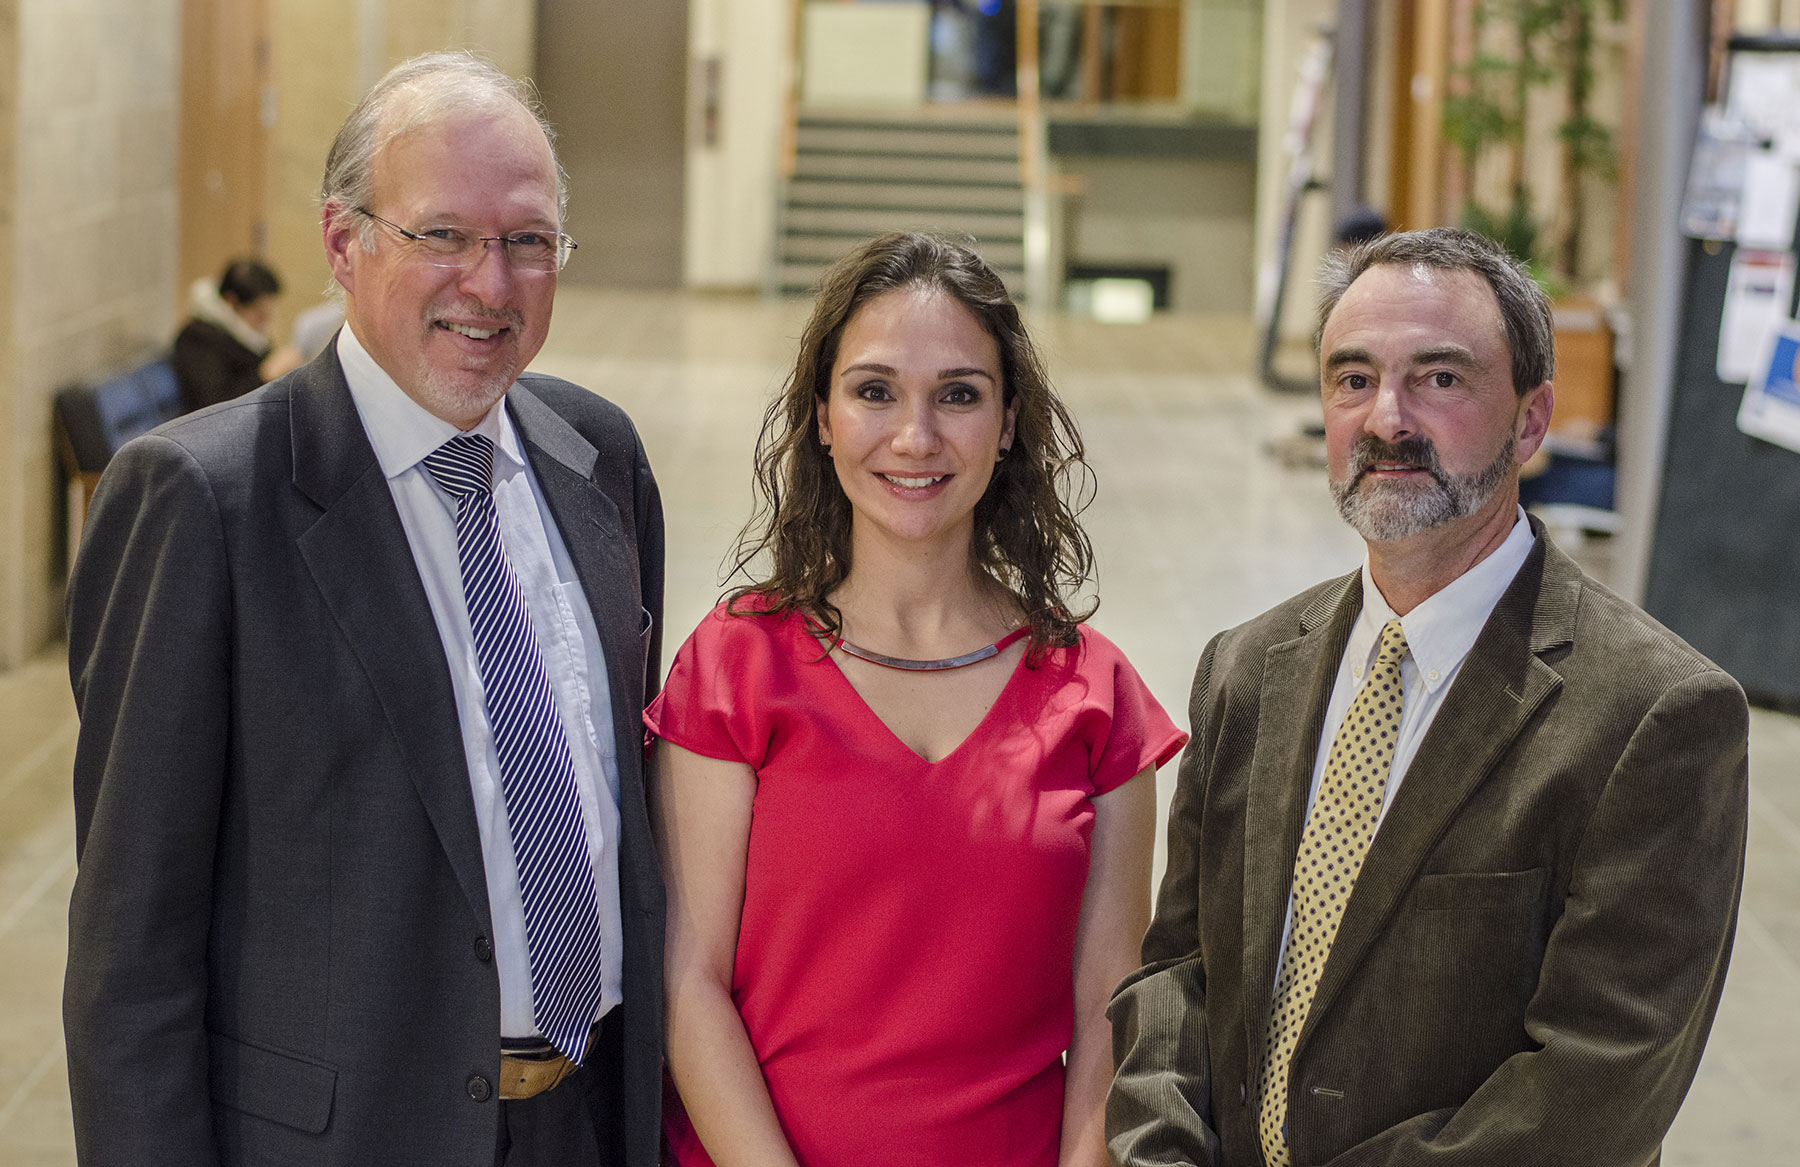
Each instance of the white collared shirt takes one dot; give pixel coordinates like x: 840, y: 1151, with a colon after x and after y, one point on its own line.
x: 403, y: 432
x: 1439, y: 634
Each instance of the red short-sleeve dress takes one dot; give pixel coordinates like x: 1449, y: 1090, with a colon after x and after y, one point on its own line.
x: 905, y: 960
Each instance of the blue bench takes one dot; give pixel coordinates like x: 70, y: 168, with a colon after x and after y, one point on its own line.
x: 93, y: 421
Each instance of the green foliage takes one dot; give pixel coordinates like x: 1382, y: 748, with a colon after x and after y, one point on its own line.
x: 1515, y: 228
x: 1591, y: 146
x: 1545, y: 43
x: 1474, y: 120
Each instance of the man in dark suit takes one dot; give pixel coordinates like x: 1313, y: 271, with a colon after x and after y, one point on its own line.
x: 360, y: 657
x: 1455, y: 853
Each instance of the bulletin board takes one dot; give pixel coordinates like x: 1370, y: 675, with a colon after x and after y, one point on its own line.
x: 1725, y: 555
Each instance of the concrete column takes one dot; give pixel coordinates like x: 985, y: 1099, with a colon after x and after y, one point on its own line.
x: 1674, y: 72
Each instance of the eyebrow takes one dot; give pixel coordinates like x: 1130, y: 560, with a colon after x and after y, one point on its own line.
x: 1445, y: 354
x: 1441, y: 354
x: 966, y: 371
x: 1352, y: 355
x: 440, y: 219
x: 943, y: 374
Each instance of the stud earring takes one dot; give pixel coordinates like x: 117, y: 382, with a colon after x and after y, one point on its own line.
x: 1004, y: 451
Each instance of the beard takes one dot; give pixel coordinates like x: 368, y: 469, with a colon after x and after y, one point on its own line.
x: 1386, y: 511
x: 474, y: 388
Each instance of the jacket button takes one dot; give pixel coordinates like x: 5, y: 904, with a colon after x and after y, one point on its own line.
x: 484, y: 949
x: 1243, y: 1094
x: 480, y: 1089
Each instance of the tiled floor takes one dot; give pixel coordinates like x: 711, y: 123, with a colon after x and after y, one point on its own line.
x: 1196, y: 528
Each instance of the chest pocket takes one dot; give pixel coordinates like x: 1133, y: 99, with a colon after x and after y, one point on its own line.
x: 1477, y: 891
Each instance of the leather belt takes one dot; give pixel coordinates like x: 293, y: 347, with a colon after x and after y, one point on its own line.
x: 528, y: 1069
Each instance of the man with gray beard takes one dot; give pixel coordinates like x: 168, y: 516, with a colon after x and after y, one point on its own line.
x: 1455, y: 852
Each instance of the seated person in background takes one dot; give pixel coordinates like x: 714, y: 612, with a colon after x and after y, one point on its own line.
x: 314, y: 328
x: 906, y: 798
x: 224, y: 351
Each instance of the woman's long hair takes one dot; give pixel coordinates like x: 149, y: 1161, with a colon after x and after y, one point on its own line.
x: 1027, y: 537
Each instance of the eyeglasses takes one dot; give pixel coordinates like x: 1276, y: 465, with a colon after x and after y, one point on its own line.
x: 541, y: 251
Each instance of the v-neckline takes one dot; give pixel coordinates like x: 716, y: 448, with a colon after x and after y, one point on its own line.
x: 869, y: 710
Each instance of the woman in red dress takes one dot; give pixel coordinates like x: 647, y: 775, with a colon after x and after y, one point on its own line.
x: 905, y: 798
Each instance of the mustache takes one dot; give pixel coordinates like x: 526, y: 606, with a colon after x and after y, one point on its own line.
x: 1417, y: 451
x: 470, y: 309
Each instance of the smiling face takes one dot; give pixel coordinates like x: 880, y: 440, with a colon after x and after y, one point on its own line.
x: 1423, y: 427
x: 454, y: 339
x: 915, y: 418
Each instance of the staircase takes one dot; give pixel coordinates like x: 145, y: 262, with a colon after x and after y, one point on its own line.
x: 859, y: 175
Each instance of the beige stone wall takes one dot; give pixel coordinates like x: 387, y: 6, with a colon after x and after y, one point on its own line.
x: 11, y: 503
x: 89, y: 109
x: 325, y: 53
x: 88, y: 100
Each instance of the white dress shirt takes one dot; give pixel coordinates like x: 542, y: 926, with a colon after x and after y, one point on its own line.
x: 403, y: 432
x: 1439, y: 634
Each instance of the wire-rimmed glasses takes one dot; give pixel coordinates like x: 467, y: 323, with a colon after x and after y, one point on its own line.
x: 539, y: 251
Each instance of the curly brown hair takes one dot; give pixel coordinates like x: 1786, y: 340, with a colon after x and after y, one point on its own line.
x: 1027, y: 538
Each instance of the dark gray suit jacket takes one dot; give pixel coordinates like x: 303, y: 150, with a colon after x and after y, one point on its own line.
x: 1530, y: 962
x: 279, y: 943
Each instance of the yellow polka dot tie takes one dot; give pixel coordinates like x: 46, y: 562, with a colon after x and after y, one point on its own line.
x: 1336, y: 838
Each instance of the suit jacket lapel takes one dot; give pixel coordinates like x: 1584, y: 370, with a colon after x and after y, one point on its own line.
x: 592, y: 530
x: 1501, y: 685
x: 1297, y: 681
x: 363, y: 566
x: 606, y: 561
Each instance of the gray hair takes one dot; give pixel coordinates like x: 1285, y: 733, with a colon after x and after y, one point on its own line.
x: 415, y: 93
x: 1524, y: 309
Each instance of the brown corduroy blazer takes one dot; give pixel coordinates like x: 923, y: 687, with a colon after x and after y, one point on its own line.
x: 1530, y: 962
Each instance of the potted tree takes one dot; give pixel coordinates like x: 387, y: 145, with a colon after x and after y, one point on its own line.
x: 1526, y: 95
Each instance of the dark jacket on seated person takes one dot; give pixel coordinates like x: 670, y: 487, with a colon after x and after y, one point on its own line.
x: 218, y: 355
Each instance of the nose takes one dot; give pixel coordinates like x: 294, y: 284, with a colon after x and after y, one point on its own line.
x: 917, y: 435
x: 489, y: 276
x: 1390, y: 416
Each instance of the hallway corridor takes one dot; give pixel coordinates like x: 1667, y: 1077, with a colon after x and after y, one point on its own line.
x: 1195, y: 525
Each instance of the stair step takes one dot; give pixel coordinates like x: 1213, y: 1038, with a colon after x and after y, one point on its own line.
x: 907, y: 168
x: 925, y: 198
x: 932, y: 141
x: 981, y: 224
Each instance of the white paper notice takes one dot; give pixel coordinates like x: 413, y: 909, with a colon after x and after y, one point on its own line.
x: 1770, y: 203
x: 1758, y: 292
x: 1771, y: 408
x: 1765, y: 91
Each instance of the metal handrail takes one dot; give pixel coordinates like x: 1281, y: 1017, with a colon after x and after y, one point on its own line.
x: 1033, y: 147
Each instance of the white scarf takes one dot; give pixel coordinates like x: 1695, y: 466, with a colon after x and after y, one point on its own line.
x: 205, y: 303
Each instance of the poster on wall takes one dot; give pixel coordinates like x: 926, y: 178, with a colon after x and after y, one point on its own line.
x: 1759, y: 290
x: 1771, y: 406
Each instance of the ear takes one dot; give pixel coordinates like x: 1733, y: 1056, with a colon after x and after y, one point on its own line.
x: 824, y: 415
x: 337, y: 225
x: 1532, y: 421
x: 1010, y: 427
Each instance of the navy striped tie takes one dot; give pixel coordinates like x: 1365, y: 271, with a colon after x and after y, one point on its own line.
x: 543, y: 811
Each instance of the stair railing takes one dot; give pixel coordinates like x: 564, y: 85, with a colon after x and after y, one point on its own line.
x: 1033, y: 151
